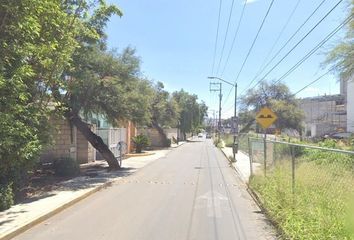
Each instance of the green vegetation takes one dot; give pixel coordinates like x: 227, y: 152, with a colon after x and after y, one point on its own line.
x: 278, y: 97
x: 6, y: 196
x: 228, y: 140
x: 341, y: 57
x: 140, y: 142
x: 55, y: 63
x: 192, y: 113
x: 321, y: 205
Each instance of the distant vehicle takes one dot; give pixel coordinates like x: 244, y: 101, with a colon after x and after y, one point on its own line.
x: 339, y: 135
x: 200, y: 135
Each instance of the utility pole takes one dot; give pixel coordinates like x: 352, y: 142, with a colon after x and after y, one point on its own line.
x: 235, y: 120
x: 217, y: 87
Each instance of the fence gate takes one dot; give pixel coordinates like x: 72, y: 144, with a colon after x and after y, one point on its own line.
x: 111, y: 137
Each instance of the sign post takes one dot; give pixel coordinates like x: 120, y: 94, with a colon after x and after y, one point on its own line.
x: 265, y: 117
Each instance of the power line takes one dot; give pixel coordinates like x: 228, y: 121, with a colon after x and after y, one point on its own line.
x: 235, y: 36
x: 216, y: 38
x: 316, y: 80
x: 285, y: 44
x: 318, y: 46
x: 251, y: 48
x: 277, y: 39
x: 296, y: 45
x: 226, y: 34
x: 255, y: 39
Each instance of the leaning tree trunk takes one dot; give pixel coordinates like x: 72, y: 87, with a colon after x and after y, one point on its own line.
x: 161, y: 132
x: 96, y: 141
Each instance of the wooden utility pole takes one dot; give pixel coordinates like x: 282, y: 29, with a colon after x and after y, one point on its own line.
x: 217, y: 89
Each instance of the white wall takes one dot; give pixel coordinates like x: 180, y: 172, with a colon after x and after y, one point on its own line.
x: 350, y: 106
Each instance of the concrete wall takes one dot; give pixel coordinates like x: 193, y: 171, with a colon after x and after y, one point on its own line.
x: 155, y: 138
x: 68, y: 142
x: 324, y: 114
x: 64, y: 141
x: 85, y: 151
x: 350, y: 106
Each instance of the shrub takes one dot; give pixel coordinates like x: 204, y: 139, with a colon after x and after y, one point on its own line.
x: 6, y: 196
x: 66, y: 167
x: 168, y: 142
x: 328, y: 143
x: 141, y: 141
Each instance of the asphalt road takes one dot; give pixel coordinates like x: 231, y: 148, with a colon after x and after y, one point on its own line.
x: 192, y: 193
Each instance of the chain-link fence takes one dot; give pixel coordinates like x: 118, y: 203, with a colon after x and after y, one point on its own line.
x: 308, y: 190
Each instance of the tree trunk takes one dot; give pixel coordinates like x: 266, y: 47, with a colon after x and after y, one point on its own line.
x: 161, y: 132
x: 91, y: 137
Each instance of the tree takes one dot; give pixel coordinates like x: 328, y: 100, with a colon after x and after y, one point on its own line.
x: 164, y: 111
x: 341, y: 57
x: 34, y: 50
x: 278, y: 97
x: 192, y: 113
x: 107, y: 84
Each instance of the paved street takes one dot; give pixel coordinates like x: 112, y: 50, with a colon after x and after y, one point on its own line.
x: 192, y: 193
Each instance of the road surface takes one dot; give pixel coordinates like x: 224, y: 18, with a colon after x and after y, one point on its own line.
x: 192, y: 193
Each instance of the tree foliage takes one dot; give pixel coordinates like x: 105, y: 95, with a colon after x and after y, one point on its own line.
x: 192, y: 113
x: 278, y: 97
x: 341, y: 57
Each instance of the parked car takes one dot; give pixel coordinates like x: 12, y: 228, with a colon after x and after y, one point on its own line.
x: 200, y: 135
x: 339, y: 135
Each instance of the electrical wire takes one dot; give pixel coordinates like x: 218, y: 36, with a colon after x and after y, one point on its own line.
x: 285, y: 44
x: 318, y: 46
x: 226, y: 34
x: 235, y: 36
x: 217, y: 37
x: 251, y: 48
x: 297, y: 44
x: 261, y: 69
x: 255, y: 39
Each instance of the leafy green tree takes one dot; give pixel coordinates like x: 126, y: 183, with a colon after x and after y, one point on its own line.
x: 278, y: 97
x: 36, y: 43
x: 341, y: 57
x: 192, y: 113
x: 164, y: 111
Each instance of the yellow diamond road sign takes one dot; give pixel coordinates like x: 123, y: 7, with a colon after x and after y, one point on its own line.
x: 266, y: 117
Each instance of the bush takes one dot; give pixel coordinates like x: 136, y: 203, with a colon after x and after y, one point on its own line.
x: 141, y: 141
x: 66, y: 167
x: 6, y: 197
x: 168, y: 142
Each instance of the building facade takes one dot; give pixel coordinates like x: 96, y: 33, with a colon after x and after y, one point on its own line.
x: 324, y: 114
x: 350, y: 105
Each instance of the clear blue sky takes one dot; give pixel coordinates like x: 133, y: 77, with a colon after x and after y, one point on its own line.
x: 175, y: 40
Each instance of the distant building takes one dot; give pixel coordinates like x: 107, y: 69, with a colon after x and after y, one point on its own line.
x: 350, y: 104
x: 324, y: 114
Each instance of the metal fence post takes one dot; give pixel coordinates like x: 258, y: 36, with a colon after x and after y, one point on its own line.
x: 250, y: 155
x: 265, y: 153
x: 292, y: 168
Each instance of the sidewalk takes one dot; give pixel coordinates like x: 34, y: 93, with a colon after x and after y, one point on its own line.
x: 23, y: 216
x: 242, y: 164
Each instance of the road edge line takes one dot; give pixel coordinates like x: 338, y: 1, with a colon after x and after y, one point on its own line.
x: 55, y: 211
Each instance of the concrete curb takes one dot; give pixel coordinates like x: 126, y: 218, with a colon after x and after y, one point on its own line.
x: 234, y: 167
x: 34, y: 222
x: 30, y: 224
